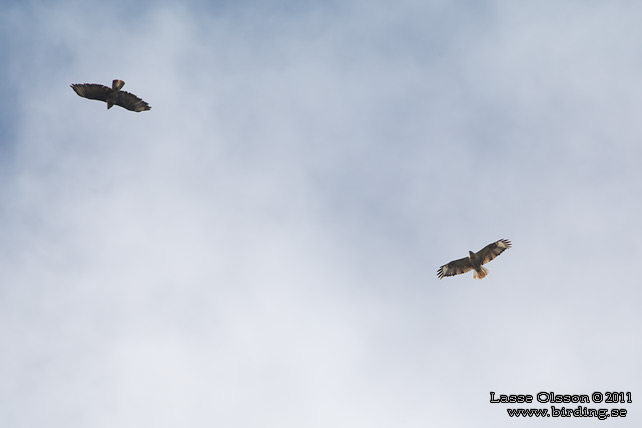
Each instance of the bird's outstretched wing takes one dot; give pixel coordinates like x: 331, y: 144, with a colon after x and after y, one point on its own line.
x: 490, y: 251
x: 92, y: 91
x: 455, y: 267
x: 131, y: 102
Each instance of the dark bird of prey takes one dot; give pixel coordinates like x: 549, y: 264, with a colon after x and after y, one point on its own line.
x: 475, y: 261
x: 112, y: 96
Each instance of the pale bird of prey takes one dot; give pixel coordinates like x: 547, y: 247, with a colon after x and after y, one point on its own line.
x: 112, y: 96
x: 475, y: 261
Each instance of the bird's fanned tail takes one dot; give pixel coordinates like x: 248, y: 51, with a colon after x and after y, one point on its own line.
x: 481, y: 274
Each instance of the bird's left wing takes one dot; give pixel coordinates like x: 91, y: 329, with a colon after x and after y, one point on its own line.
x: 490, y: 251
x: 131, y: 102
x: 455, y: 268
x: 92, y: 91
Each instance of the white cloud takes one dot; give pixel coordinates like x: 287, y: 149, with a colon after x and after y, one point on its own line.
x: 260, y: 248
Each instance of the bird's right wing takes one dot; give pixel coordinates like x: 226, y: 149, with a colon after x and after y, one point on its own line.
x: 131, y: 102
x: 455, y: 267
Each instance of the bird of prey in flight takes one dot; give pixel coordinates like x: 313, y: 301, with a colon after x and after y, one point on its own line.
x: 112, y: 96
x: 475, y: 261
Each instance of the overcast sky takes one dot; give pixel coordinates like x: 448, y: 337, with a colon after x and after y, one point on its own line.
x: 260, y: 249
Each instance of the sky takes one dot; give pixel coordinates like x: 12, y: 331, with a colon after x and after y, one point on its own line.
x: 260, y: 249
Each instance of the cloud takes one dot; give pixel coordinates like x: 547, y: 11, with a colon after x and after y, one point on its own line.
x: 261, y: 247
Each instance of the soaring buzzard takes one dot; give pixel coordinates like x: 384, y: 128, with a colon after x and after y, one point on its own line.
x: 475, y: 261
x: 112, y: 96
